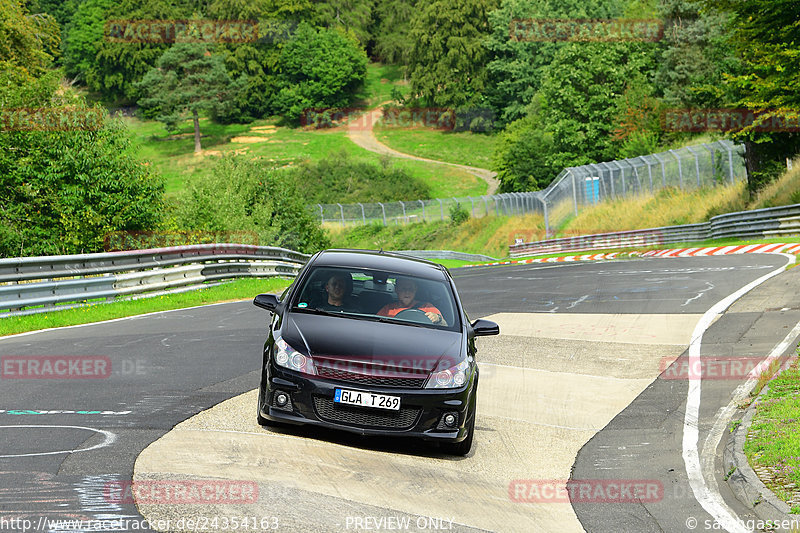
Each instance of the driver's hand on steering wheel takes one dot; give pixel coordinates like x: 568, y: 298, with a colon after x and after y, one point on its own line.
x: 435, y: 318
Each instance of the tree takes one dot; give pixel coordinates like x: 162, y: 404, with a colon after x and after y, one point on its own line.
x: 517, y: 61
x: 393, y: 24
x: 68, y: 175
x: 766, y: 35
x: 339, y: 178
x: 60, y: 10
x: 28, y: 43
x: 257, y: 60
x: 187, y: 78
x: 318, y: 69
x: 580, y: 94
x: 447, y: 64
x: 350, y: 15
x: 121, y: 63
x: 83, y: 37
x: 697, y: 53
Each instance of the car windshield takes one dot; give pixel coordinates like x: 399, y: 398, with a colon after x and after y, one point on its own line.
x: 378, y: 295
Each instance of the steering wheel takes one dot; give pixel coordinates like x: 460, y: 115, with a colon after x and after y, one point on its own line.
x: 414, y: 315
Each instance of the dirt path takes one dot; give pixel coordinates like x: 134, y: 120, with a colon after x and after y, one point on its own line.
x: 360, y: 132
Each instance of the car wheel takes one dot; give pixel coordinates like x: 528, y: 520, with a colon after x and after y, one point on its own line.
x: 463, y: 447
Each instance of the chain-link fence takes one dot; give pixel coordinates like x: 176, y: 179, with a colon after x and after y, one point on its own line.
x: 394, y: 213
x: 704, y: 165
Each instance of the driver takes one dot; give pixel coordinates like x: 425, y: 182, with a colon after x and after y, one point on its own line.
x: 406, y: 290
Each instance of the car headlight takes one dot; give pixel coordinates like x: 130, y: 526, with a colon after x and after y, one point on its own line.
x: 288, y: 357
x: 451, y: 378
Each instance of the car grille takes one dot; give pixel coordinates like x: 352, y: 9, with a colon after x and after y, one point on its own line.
x: 355, y: 416
x: 365, y: 379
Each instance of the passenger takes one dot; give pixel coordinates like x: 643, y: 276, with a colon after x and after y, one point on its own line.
x: 339, y: 286
x: 406, y: 290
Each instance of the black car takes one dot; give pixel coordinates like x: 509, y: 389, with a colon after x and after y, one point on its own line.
x: 373, y: 343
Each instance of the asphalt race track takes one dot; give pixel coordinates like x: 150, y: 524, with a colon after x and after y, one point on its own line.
x: 569, y: 390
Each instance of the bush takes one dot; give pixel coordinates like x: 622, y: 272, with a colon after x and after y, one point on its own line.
x: 458, y: 214
x: 318, y: 69
x: 524, y: 156
x: 65, y: 185
x: 338, y: 178
x: 241, y: 195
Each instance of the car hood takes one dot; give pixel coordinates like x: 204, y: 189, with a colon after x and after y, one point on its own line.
x: 335, y: 340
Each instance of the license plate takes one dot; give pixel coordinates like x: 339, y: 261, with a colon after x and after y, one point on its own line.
x: 367, y: 399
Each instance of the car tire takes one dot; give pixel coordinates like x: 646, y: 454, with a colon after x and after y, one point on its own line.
x: 462, y: 448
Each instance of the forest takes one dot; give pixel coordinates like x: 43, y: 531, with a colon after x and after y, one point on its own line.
x: 558, y: 83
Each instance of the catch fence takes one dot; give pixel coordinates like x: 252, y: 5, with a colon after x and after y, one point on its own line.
x: 574, y: 189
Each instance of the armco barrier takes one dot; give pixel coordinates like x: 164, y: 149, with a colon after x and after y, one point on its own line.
x: 446, y: 254
x: 58, y: 266
x: 27, y: 282
x: 621, y: 239
x: 759, y: 223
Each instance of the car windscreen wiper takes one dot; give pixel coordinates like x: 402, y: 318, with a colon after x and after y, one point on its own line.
x: 392, y: 320
x: 315, y: 311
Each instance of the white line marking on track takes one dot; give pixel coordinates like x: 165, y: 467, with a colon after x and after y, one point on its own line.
x: 709, y: 286
x: 578, y: 301
x: 726, y: 413
x: 704, y: 490
x: 110, y: 438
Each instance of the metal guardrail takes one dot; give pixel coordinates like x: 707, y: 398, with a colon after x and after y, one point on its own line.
x: 758, y: 223
x: 446, y: 254
x: 29, y: 282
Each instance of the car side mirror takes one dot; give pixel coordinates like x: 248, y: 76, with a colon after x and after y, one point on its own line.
x: 483, y: 327
x: 266, y: 301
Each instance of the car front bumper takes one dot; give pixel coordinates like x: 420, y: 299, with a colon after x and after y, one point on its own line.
x: 420, y: 414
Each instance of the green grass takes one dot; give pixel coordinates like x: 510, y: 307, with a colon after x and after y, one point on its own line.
x: 488, y: 235
x: 463, y: 148
x: 173, y: 155
x: 773, y: 440
x: 381, y: 79
x: 235, y: 290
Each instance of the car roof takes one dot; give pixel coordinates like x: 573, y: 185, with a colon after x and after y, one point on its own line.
x: 380, y: 260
